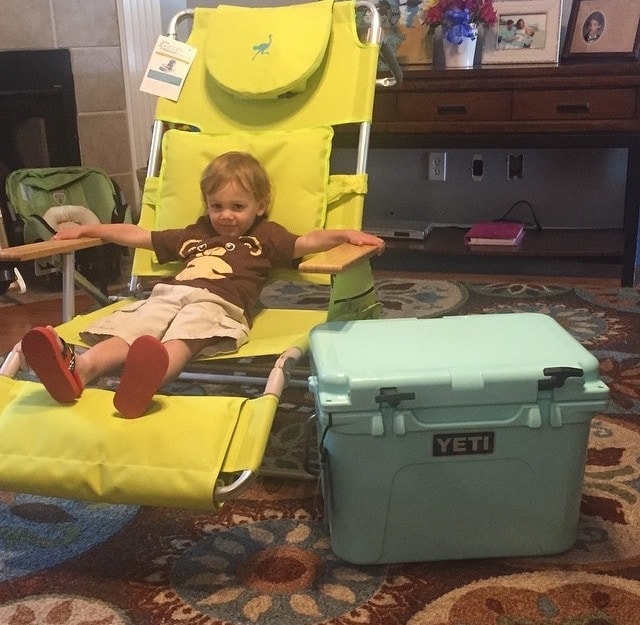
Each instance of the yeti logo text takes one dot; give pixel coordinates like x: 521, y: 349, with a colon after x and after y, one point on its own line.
x: 463, y: 443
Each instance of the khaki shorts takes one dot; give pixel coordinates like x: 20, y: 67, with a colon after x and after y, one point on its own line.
x: 176, y: 312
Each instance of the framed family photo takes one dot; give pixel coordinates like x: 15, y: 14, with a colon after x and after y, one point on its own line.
x: 603, y: 29
x: 526, y: 31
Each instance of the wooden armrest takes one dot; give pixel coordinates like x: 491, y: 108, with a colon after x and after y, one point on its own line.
x: 337, y: 259
x: 42, y: 249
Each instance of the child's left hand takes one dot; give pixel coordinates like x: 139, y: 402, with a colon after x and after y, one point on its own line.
x: 69, y: 232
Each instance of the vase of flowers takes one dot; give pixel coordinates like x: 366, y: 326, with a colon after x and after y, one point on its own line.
x: 459, y: 20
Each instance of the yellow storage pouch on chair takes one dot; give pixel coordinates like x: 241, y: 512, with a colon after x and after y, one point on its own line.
x: 274, y: 50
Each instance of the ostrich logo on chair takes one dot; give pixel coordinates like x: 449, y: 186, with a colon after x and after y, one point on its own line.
x: 262, y: 48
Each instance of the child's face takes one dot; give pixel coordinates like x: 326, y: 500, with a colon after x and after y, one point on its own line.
x: 232, y: 210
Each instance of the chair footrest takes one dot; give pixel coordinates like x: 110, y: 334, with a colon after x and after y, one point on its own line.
x: 172, y: 456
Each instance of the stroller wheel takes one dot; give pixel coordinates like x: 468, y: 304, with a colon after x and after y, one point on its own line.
x: 7, y: 276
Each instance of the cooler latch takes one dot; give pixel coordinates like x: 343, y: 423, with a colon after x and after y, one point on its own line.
x: 392, y: 397
x: 557, y: 376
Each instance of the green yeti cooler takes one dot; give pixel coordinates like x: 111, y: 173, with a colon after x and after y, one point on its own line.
x: 460, y: 437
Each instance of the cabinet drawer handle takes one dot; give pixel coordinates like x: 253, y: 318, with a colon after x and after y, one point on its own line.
x: 447, y: 109
x: 573, y: 107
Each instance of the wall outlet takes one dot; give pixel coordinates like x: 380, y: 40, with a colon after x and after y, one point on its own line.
x: 515, y: 166
x: 477, y: 167
x: 438, y: 166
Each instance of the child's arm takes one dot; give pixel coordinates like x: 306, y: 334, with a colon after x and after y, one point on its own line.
x: 128, y: 235
x: 321, y: 240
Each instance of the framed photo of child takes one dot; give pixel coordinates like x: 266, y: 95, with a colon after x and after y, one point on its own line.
x: 603, y: 30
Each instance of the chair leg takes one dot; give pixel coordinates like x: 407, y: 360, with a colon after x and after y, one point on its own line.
x: 12, y: 363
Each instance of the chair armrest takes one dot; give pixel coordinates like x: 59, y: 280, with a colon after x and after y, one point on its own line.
x: 337, y: 259
x: 42, y: 249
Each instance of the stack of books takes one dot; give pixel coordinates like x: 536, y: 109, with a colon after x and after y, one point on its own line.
x: 495, y: 233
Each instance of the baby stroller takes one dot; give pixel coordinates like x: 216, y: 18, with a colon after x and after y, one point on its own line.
x: 42, y: 200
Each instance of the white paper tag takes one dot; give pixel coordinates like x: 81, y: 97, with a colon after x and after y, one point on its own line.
x: 168, y: 67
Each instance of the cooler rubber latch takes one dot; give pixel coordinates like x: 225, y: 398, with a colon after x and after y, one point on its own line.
x: 557, y: 376
x: 392, y: 397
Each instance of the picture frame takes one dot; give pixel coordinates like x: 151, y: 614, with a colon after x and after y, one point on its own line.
x: 408, y: 38
x: 403, y: 31
x: 602, y: 30
x: 527, y: 31
x: 412, y: 40
x: 416, y: 47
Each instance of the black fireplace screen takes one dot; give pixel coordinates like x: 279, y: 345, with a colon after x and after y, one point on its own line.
x: 39, y: 118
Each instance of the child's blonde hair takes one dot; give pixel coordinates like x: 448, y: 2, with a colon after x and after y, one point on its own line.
x: 241, y: 168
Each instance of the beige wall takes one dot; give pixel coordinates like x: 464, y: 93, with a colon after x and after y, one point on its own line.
x: 89, y: 28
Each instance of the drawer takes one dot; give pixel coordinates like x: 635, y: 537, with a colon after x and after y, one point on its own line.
x: 384, y: 107
x: 454, y: 106
x: 574, y: 104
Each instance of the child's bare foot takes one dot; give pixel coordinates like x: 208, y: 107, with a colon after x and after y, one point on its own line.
x: 54, y: 362
x: 144, y: 371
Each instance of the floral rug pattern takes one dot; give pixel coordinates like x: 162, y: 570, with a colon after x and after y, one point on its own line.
x: 266, y: 557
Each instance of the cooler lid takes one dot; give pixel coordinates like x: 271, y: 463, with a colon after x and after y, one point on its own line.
x: 460, y: 360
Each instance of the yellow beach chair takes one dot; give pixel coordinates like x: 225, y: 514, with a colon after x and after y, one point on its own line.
x: 274, y: 82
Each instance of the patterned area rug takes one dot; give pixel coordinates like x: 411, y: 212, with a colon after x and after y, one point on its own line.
x: 266, y: 557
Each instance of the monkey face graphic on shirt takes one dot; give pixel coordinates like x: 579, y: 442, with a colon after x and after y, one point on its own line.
x: 215, y: 263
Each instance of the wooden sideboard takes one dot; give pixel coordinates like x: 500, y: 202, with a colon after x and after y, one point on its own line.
x: 571, y: 105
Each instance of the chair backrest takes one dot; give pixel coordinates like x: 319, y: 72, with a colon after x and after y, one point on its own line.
x: 278, y: 101
x: 338, y: 78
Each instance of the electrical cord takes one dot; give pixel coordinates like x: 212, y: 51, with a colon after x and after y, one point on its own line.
x: 528, y: 224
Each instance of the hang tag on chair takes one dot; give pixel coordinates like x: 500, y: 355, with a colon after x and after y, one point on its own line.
x: 168, y: 67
